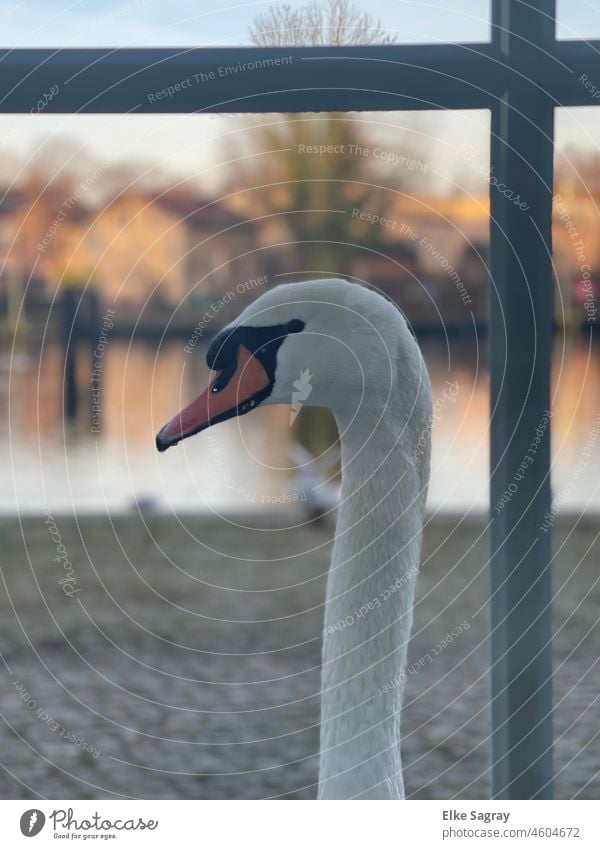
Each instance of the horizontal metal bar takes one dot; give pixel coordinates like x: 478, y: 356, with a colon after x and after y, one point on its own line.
x: 312, y: 79
x: 242, y: 79
x: 577, y: 73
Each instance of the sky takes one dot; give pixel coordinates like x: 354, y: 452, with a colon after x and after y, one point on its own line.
x: 194, y: 144
x: 88, y: 23
x: 37, y: 23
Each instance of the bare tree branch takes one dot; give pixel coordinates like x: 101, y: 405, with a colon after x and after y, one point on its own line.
x: 334, y: 22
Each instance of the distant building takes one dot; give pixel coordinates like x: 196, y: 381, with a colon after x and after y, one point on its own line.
x: 131, y: 248
x: 220, y: 251
x: 433, y: 260
x: 140, y: 248
x: 34, y: 223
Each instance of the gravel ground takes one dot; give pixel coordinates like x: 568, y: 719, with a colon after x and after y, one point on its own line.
x: 185, y: 664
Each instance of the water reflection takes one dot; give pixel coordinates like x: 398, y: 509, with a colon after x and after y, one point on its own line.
x: 244, y: 464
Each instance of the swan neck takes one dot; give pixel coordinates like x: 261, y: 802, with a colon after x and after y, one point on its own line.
x: 368, y: 613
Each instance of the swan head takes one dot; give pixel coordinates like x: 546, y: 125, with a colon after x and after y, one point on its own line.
x: 326, y: 343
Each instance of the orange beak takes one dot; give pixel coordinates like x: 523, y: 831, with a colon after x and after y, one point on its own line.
x: 216, y: 404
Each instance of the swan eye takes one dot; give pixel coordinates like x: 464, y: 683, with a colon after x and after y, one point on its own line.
x: 295, y: 325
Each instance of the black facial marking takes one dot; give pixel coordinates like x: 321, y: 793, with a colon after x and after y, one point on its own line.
x: 262, y: 342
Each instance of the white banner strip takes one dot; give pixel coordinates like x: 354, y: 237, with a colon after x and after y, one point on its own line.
x: 301, y: 825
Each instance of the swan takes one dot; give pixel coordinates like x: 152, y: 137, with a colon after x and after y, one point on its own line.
x: 365, y: 365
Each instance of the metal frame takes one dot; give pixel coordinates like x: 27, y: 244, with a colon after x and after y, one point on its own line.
x: 521, y: 75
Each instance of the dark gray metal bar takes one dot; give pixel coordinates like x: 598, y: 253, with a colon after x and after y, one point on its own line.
x: 246, y: 79
x: 520, y: 360
x: 311, y: 79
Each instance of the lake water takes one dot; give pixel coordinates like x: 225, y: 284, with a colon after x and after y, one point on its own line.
x: 244, y: 465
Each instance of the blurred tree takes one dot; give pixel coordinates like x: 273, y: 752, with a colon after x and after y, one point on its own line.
x: 333, y: 22
x: 312, y: 195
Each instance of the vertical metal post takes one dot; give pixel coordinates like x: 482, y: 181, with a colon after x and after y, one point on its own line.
x: 520, y: 359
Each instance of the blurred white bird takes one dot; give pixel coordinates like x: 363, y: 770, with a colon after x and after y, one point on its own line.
x: 313, y: 486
